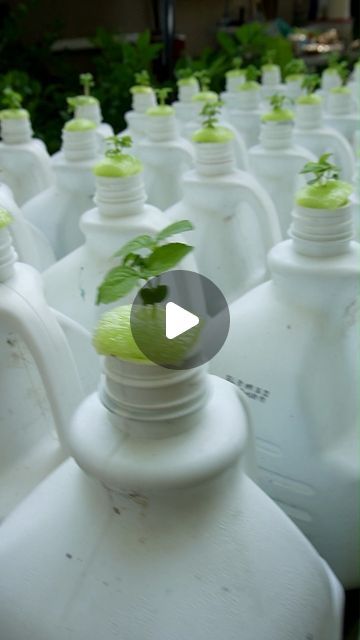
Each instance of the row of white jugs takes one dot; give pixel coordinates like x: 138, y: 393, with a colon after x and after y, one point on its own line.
x: 164, y: 535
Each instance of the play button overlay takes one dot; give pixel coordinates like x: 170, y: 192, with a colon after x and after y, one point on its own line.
x: 180, y: 320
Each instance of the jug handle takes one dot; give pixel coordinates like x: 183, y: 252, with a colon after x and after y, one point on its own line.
x: 265, y: 212
x: 46, y: 342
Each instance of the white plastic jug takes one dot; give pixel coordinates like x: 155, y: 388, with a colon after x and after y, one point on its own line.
x: 271, y: 80
x: 341, y: 113
x: 56, y: 211
x: 276, y: 162
x: 24, y: 160
x: 40, y: 386
x: 354, y: 84
x: 120, y: 214
x: 187, y: 89
x: 293, y: 347
x: 234, y: 78
x: 143, y: 98
x: 311, y: 133
x: 30, y: 244
x: 243, y: 112
x: 165, y: 157
x: 235, y: 222
x: 164, y: 534
x: 89, y: 108
x: 195, y: 122
x: 293, y: 86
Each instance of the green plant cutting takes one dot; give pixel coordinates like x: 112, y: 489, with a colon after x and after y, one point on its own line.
x: 210, y: 131
x: 87, y: 82
x: 142, y: 259
x: 324, y: 190
x: 251, y: 76
x: 268, y: 60
x: 295, y: 69
x: 161, y: 109
x: 5, y: 218
x: 278, y: 112
x: 236, y: 69
x: 12, y: 101
x: 116, y: 163
x: 310, y: 83
x: 185, y: 76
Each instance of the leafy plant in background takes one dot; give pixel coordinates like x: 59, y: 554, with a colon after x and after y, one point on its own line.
x: 143, y: 258
x: 310, y: 83
x: 295, y: 67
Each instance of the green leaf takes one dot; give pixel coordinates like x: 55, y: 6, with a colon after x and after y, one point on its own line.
x: 172, y: 229
x: 117, y: 283
x: 140, y: 242
x: 166, y: 257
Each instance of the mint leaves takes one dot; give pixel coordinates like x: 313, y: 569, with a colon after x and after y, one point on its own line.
x: 143, y: 258
x: 310, y: 83
x: 210, y: 113
x: 323, y: 170
x: 11, y: 99
x: 86, y: 81
x: 116, y: 145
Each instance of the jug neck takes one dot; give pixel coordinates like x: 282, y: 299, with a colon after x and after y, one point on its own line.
x: 16, y: 130
x: 91, y: 111
x: 339, y: 103
x: 187, y: 91
x: 8, y: 256
x: 248, y: 100
x: 322, y: 232
x: 276, y: 135
x: 308, y: 116
x: 119, y: 197
x: 79, y: 145
x: 233, y: 82
x: 148, y: 401
x: 141, y: 102
x: 161, y: 128
x: 214, y: 158
x: 271, y: 77
x: 330, y: 79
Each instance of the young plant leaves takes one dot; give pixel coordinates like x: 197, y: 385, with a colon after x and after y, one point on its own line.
x: 154, y: 295
x: 117, y: 283
x: 166, y: 257
x: 140, y: 242
x: 173, y: 229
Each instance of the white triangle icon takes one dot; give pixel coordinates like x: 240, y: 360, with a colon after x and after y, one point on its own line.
x: 178, y: 320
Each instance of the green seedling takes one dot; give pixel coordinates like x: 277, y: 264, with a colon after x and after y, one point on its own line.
x: 269, y: 57
x: 115, y: 145
x: 210, y: 113
x: 251, y: 73
x: 162, y: 95
x: 310, y: 83
x: 184, y: 74
x: 87, y: 82
x: 142, y: 259
x: 322, y: 170
x: 295, y: 67
x: 142, y: 79
x: 278, y: 102
x: 237, y: 62
x: 204, y: 79
x: 11, y: 99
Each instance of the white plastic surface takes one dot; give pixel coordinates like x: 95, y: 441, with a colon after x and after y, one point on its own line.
x: 235, y: 225
x: 183, y: 546
x: 26, y: 169
x: 293, y: 347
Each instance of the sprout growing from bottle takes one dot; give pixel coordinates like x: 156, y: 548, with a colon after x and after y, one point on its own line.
x: 142, y: 259
x: 162, y: 95
x: 210, y: 113
x: 295, y: 67
x: 278, y: 102
x: 310, y: 83
x: 237, y: 62
x: 269, y: 57
x: 116, y: 145
x: 204, y: 79
x: 322, y: 170
x: 87, y: 82
x: 142, y: 78
x: 251, y: 73
x: 184, y: 74
x: 11, y: 99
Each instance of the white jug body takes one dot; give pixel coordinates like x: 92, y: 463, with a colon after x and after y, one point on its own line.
x: 26, y: 169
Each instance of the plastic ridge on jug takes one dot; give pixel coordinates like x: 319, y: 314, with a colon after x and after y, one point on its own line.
x: 235, y: 222
x: 276, y: 161
x: 36, y: 367
x: 160, y: 472
x: 24, y: 161
x: 56, y: 211
x: 293, y: 347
